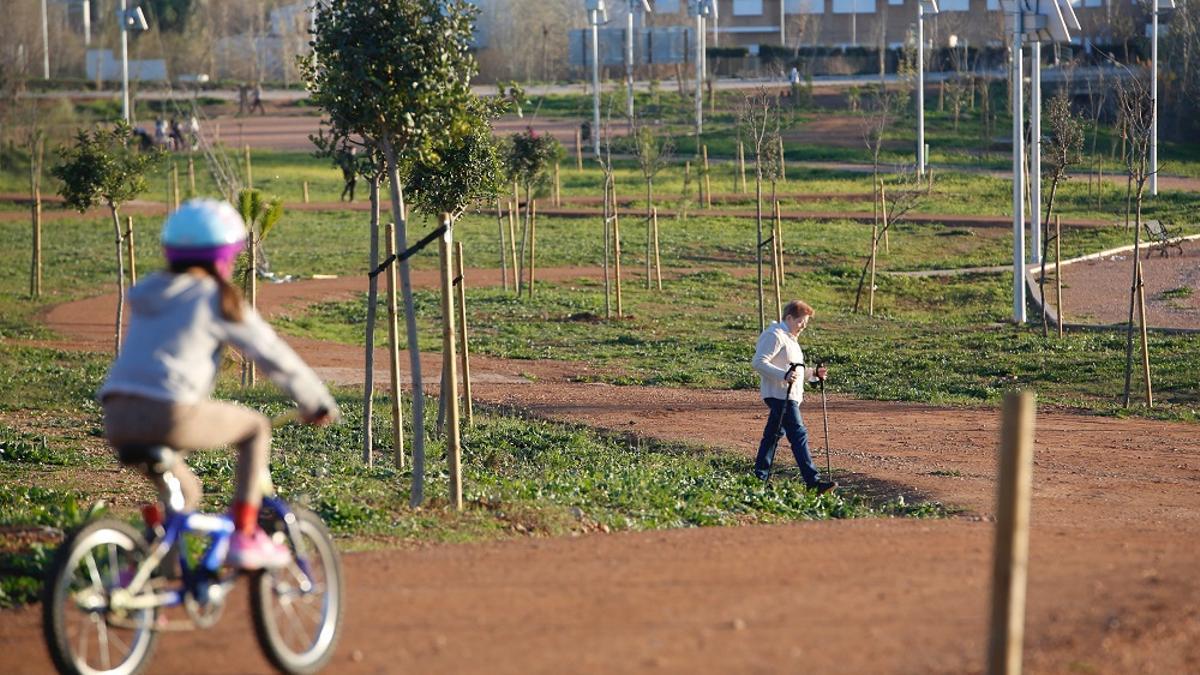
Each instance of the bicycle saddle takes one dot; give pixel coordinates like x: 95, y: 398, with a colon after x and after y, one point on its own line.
x: 157, y: 457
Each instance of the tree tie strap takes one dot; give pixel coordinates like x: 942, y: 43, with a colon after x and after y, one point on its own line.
x: 408, y: 252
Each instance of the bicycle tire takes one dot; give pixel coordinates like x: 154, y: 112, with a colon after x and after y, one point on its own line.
x: 79, y: 583
x: 270, y: 588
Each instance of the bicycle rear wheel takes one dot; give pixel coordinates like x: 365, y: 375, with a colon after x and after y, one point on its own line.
x: 84, y: 633
x: 297, y: 609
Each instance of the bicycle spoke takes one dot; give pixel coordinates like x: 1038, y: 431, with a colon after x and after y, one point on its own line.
x: 118, y: 642
x: 102, y: 634
x: 114, y: 567
x: 310, y: 608
x: 297, y: 625
x: 83, y: 634
x: 94, y: 573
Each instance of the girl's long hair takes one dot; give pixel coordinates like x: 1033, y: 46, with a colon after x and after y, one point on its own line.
x: 231, y: 297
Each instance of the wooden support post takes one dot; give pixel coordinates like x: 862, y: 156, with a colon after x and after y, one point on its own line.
x: 512, y: 247
x: 707, y: 181
x: 779, y: 242
x: 557, y: 186
x: 1058, y: 272
x: 782, y: 161
x: 465, y: 355
x: 168, y: 197
x: 35, y: 189
x: 1141, y: 288
x: 777, y: 264
x: 883, y: 217
x: 304, y: 191
x: 874, y: 250
x: 251, y: 374
x: 249, y: 169
x: 191, y: 173
x: 657, y: 260
x: 741, y: 149
x: 578, y: 150
x: 1011, y: 556
x: 532, y: 243
x: 616, y: 221
x: 175, y: 183
x: 503, y: 251
x: 398, y: 454
x: 450, y: 384
x: 519, y: 260
x: 130, y: 248
x: 607, y: 248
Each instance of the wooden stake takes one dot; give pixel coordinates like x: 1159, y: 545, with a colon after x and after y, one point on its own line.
x: 503, y: 254
x: 249, y: 170
x: 1145, y: 337
x: 1010, y: 564
x: 779, y: 242
x: 465, y: 356
x: 512, y: 247
x: 130, y: 248
x: 607, y: 248
x: 304, y: 190
x: 578, y: 150
x: 1058, y: 272
x: 616, y: 216
x: 175, y: 183
x: 874, y: 248
x: 657, y: 261
x: 782, y: 162
x: 883, y: 215
x: 532, y: 242
x: 776, y: 265
x: 450, y: 385
x: 398, y: 454
x: 35, y: 188
x: 707, y: 181
x: 192, y: 178
x: 518, y: 261
x: 741, y: 167
x: 251, y: 374
x: 557, y: 187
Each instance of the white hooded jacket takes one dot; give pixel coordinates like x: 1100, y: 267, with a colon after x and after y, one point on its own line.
x: 776, y: 351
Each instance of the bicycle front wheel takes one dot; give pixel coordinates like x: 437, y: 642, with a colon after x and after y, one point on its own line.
x: 297, y: 609
x: 84, y: 632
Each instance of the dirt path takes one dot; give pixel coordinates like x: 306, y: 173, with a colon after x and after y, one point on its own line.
x: 1116, y: 536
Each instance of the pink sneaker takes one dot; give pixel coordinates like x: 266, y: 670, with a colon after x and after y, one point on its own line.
x: 255, y: 551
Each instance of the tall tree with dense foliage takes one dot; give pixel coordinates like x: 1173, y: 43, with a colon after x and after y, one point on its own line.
x: 104, y: 167
x: 397, y: 73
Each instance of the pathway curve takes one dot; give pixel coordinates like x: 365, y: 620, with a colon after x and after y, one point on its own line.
x: 1115, y: 539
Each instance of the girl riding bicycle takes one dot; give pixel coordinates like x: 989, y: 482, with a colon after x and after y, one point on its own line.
x: 157, y: 391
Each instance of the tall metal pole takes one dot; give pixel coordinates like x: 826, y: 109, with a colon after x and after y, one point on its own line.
x: 86, y: 10
x: 782, y: 22
x: 920, y: 88
x: 629, y: 63
x: 1018, y: 160
x: 45, y: 43
x: 716, y: 17
x: 594, y: 16
x: 124, y: 20
x: 1154, y: 100
x: 1035, y: 152
x: 699, y: 78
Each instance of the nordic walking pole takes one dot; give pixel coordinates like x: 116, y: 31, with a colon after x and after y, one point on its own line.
x: 825, y: 419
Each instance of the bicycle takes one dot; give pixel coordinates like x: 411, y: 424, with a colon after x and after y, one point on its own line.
x: 109, y: 585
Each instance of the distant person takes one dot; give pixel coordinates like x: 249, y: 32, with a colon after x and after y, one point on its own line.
x: 193, y: 132
x: 794, y: 76
x: 176, y: 133
x: 160, y: 133
x: 782, y: 372
x: 243, y: 99
x: 256, y: 100
x: 349, y: 163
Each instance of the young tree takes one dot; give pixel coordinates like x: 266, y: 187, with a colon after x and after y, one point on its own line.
x: 654, y: 151
x: 1136, y: 110
x: 396, y: 73
x: 104, y: 167
x: 757, y: 116
x: 528, y: 160
x: 1062, y: 146
x: 904, y: 198
x: 261, y: 217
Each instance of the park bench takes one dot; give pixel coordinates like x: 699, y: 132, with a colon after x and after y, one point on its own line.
x: 1162, y: 238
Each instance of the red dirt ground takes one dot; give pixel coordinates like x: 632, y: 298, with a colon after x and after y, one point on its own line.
x: 1112, y: 583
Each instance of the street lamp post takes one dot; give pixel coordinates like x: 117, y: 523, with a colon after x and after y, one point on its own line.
x: 45, y: 43
x: 923, y: 7
x: 1018, y: 162
x: 1159, y: 6
x: 700, y: 9
x: 1035, y: 151
x: 595, y: 9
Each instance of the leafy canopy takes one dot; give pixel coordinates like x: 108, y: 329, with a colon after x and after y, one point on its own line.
x: 396, y: 71
x: 468, y: 169
x: 528, y: 157
x: 102, y: 167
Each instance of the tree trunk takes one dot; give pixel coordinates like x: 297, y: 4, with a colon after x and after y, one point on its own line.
x: 414, y: 351
x: 368, y: 448
x: 649, y: 229
x: 503, y: 253
x: 1133, y: 294
x: 758, y: 224
x: 607, y: 249
x: 35, y: 189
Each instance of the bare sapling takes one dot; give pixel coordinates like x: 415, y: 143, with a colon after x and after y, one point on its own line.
x: 905, y: 196
x: 757, y: 116
x: 654, y: 150
x: 37, y: 146
x: 1062, y: 149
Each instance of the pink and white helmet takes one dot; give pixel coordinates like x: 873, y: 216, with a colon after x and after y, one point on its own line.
x: 204, y: 231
